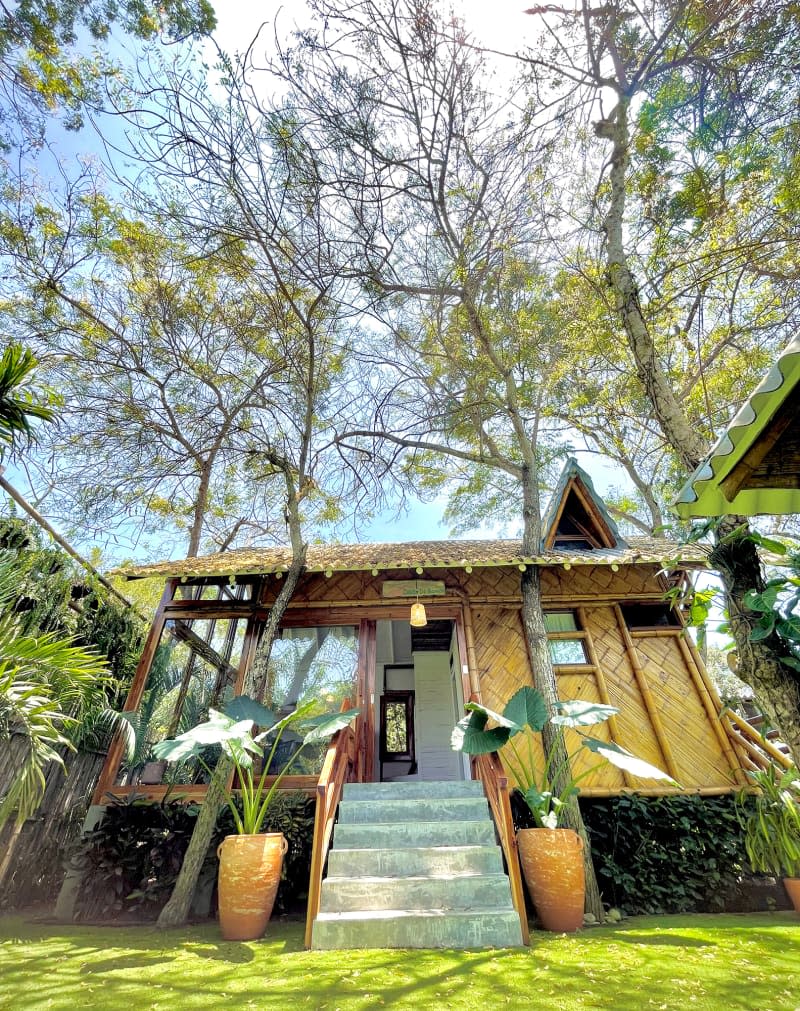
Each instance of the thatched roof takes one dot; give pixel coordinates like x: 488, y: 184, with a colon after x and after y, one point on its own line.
x: 448, y: 554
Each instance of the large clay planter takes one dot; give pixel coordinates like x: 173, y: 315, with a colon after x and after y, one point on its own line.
x: 792, y: 886
x: 552, y: 862
x: 249, y: 875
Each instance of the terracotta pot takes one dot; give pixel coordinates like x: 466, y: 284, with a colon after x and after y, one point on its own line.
x: 792, y: 886
x: 552, y: 862
x: 249, y: 875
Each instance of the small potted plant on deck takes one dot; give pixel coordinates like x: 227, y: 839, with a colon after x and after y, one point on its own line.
x: 250, y: 862
x: 551, y: 857
x: 770, y: 819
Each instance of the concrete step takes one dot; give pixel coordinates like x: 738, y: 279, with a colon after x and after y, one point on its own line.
x: 401, y: 928
x: 390, y: 810
x: 415, y: 861
x: 484, y: 891
x: 417, y: 789
x: 414, y: 833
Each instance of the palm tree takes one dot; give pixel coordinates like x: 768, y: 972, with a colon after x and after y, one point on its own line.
x: 48, y: 688
x: 17, y: 407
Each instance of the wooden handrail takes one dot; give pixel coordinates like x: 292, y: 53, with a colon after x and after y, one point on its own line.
x: 489, y: 770
x: 336, y: 771
x: 762, y: 751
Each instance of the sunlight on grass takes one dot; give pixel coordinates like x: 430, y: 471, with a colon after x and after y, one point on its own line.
x: 712, y: 962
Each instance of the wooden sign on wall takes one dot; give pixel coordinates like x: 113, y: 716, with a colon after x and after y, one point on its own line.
x: 413, y: 588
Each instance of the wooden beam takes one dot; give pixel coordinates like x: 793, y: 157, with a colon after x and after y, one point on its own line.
x: 114, y: 757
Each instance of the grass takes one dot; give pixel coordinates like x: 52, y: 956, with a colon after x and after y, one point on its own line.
x: 711, y: 962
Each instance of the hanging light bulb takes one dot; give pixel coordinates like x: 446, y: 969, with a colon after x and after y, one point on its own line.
x: 418, y: 617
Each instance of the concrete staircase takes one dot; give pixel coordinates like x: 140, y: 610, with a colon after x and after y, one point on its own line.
x: 415, y: 865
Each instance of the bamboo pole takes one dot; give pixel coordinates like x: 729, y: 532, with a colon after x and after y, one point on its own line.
x: 602, y: 687
x: 472, y: 656
x: 757, y: 739
x: 659, y: 791
x: 647, y: 695
x: 712, y: 714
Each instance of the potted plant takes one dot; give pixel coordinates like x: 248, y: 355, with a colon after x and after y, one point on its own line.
x: 250, y: 862
x: 551, y: 857
x: 770, y: 819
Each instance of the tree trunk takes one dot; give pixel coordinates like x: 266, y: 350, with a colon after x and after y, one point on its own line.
x: 776, y: 684
x: 544, y: 679
x: 176, y: 911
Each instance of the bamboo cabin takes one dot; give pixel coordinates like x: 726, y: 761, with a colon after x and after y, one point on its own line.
x: 348, y: 639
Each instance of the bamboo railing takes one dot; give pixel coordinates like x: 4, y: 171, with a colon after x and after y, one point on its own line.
x: 489, y: 770
x: 760, y: 751
x: 336, y: 771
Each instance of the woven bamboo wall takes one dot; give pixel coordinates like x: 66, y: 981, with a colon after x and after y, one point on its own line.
x: 580, y: 581
x: 663, y: 717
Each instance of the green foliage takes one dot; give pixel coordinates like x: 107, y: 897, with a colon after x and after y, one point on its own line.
x: 526, y: 711
x: 18, y: 405
x: 666, y: 854
x: 770, y: 820
x: 53, y: 594
x: 233, y: 730
x: 41, y: 63
x: 132, y: 858
x: 48, y: 686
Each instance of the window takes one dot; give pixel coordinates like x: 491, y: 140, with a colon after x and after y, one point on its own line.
x: 397, y: 726
x: 649, y: 616
x: 194, y: 669
x: 565, y: 646
x: 319, y: 663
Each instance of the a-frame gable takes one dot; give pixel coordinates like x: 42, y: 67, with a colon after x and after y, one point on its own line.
x: 577, y: 518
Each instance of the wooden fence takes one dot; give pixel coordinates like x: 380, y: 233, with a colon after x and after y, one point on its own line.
x: 32, y: 858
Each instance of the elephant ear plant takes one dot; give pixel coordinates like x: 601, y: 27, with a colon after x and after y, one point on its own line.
x: 232, y: 730
x: 526, y: 710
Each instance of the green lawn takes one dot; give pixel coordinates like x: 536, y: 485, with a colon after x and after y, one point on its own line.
x: 719, y: 962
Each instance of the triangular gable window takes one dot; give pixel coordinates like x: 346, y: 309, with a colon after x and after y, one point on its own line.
x: 580, y: 524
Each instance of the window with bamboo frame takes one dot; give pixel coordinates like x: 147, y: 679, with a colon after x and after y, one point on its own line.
x: 565, y: 638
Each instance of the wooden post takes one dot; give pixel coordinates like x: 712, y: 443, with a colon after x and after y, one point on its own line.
x: 602, y: 687
x: 114, y: 757
x: 647, y: 695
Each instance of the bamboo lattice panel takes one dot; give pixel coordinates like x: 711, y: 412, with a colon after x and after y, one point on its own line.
x: 636, y: 732
x: 583, y: 581
x: 694, y: 744
x: 584, y: 687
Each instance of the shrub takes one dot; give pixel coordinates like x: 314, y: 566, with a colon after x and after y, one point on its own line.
x: 132, y: 858
x: 666, y: 854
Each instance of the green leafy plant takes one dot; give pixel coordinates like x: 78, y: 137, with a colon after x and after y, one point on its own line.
x: 672, y: 854
x: 526, y: 710
x: 770, y: 819
x: 232, y: 731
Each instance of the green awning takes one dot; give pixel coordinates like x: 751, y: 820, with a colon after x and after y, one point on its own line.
x: 754, y: 467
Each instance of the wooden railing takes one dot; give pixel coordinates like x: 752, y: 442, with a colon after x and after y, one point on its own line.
x: 489, y: 770
x: 336, y: 771
x: 760, y: 751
